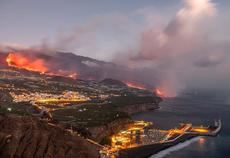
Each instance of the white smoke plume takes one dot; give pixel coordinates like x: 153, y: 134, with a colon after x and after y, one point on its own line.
x: 181, y: 48
x: 177, y: 147
x: 181, y: 34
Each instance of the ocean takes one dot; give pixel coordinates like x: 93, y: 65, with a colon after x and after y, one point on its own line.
x: 197, y: 109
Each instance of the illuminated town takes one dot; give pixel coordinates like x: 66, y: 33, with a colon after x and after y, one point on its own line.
x: 141, y: 134
x: 45, y: 98
x: 79, y: 103
x: 58, y: 94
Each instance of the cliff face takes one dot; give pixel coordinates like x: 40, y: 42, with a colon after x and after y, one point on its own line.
x: 100, y: 132
x: 29, y: 137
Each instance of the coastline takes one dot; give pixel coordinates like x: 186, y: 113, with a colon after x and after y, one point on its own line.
x: 162, y: 148
x: 149, y: 150
x: 98, y: 133
x: 138, y: 108
x: 177, y: 147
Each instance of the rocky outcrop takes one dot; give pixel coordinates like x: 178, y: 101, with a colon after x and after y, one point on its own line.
x: 29, y: 137
x: 100, y: 132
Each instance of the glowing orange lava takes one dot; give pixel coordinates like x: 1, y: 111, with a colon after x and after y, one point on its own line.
x: 159, y: 92
x: 20, y: 61
x: 135, y: 85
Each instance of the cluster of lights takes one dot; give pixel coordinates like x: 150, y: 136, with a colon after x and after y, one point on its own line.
x: 68, y: 96
x: 123, y: 139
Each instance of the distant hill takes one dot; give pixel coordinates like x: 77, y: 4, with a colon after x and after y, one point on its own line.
x: 109, y: 81
x: 86, y: 68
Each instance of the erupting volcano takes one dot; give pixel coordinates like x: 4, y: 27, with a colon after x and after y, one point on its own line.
x: 18, y: 60
x: 135, y: 85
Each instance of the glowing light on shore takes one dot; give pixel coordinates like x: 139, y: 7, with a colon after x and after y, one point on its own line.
x: 200, y: 130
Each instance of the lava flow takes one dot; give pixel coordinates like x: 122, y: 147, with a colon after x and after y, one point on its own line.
x: 135, y: 85
x: 32, y: 63
x: 20, y: 61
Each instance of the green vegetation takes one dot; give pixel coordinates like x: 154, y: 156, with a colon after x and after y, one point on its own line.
x: 89, y: 115
x: 93, y: 114
x: 133, y: 100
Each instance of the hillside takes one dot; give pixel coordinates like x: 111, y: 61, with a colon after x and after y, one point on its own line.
x: 70, y: 64
x: 29, y: 137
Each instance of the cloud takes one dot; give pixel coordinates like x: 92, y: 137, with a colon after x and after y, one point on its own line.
x: 210, y: 61
x: 5, y: 47
x: 181, y: 34
x: 181, y: 47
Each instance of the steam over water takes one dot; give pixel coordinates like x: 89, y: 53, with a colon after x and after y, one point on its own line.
x: 197, y: 109
x: 175, y: 148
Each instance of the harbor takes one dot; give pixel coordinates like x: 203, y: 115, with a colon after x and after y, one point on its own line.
x: 142, y: 140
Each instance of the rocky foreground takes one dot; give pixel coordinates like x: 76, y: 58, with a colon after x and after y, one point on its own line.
x: 27, y: 137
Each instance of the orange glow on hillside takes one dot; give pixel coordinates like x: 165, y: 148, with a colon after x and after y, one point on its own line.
x: 20, y: 61
x: 159, y: 92
x: 135, y: 85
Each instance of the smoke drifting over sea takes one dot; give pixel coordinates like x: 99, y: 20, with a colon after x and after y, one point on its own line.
x: 179, y: 53
x: 177, y: 147
x: 182, y: 53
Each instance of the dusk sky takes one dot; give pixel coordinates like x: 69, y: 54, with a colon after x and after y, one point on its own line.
x: 185, y: 42
x: 31, y: 22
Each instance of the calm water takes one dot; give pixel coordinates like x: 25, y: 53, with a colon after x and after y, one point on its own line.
x: 197, y: 110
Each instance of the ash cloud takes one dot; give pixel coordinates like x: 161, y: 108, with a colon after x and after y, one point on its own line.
x: 178, y: 50
x: 181, y: 35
